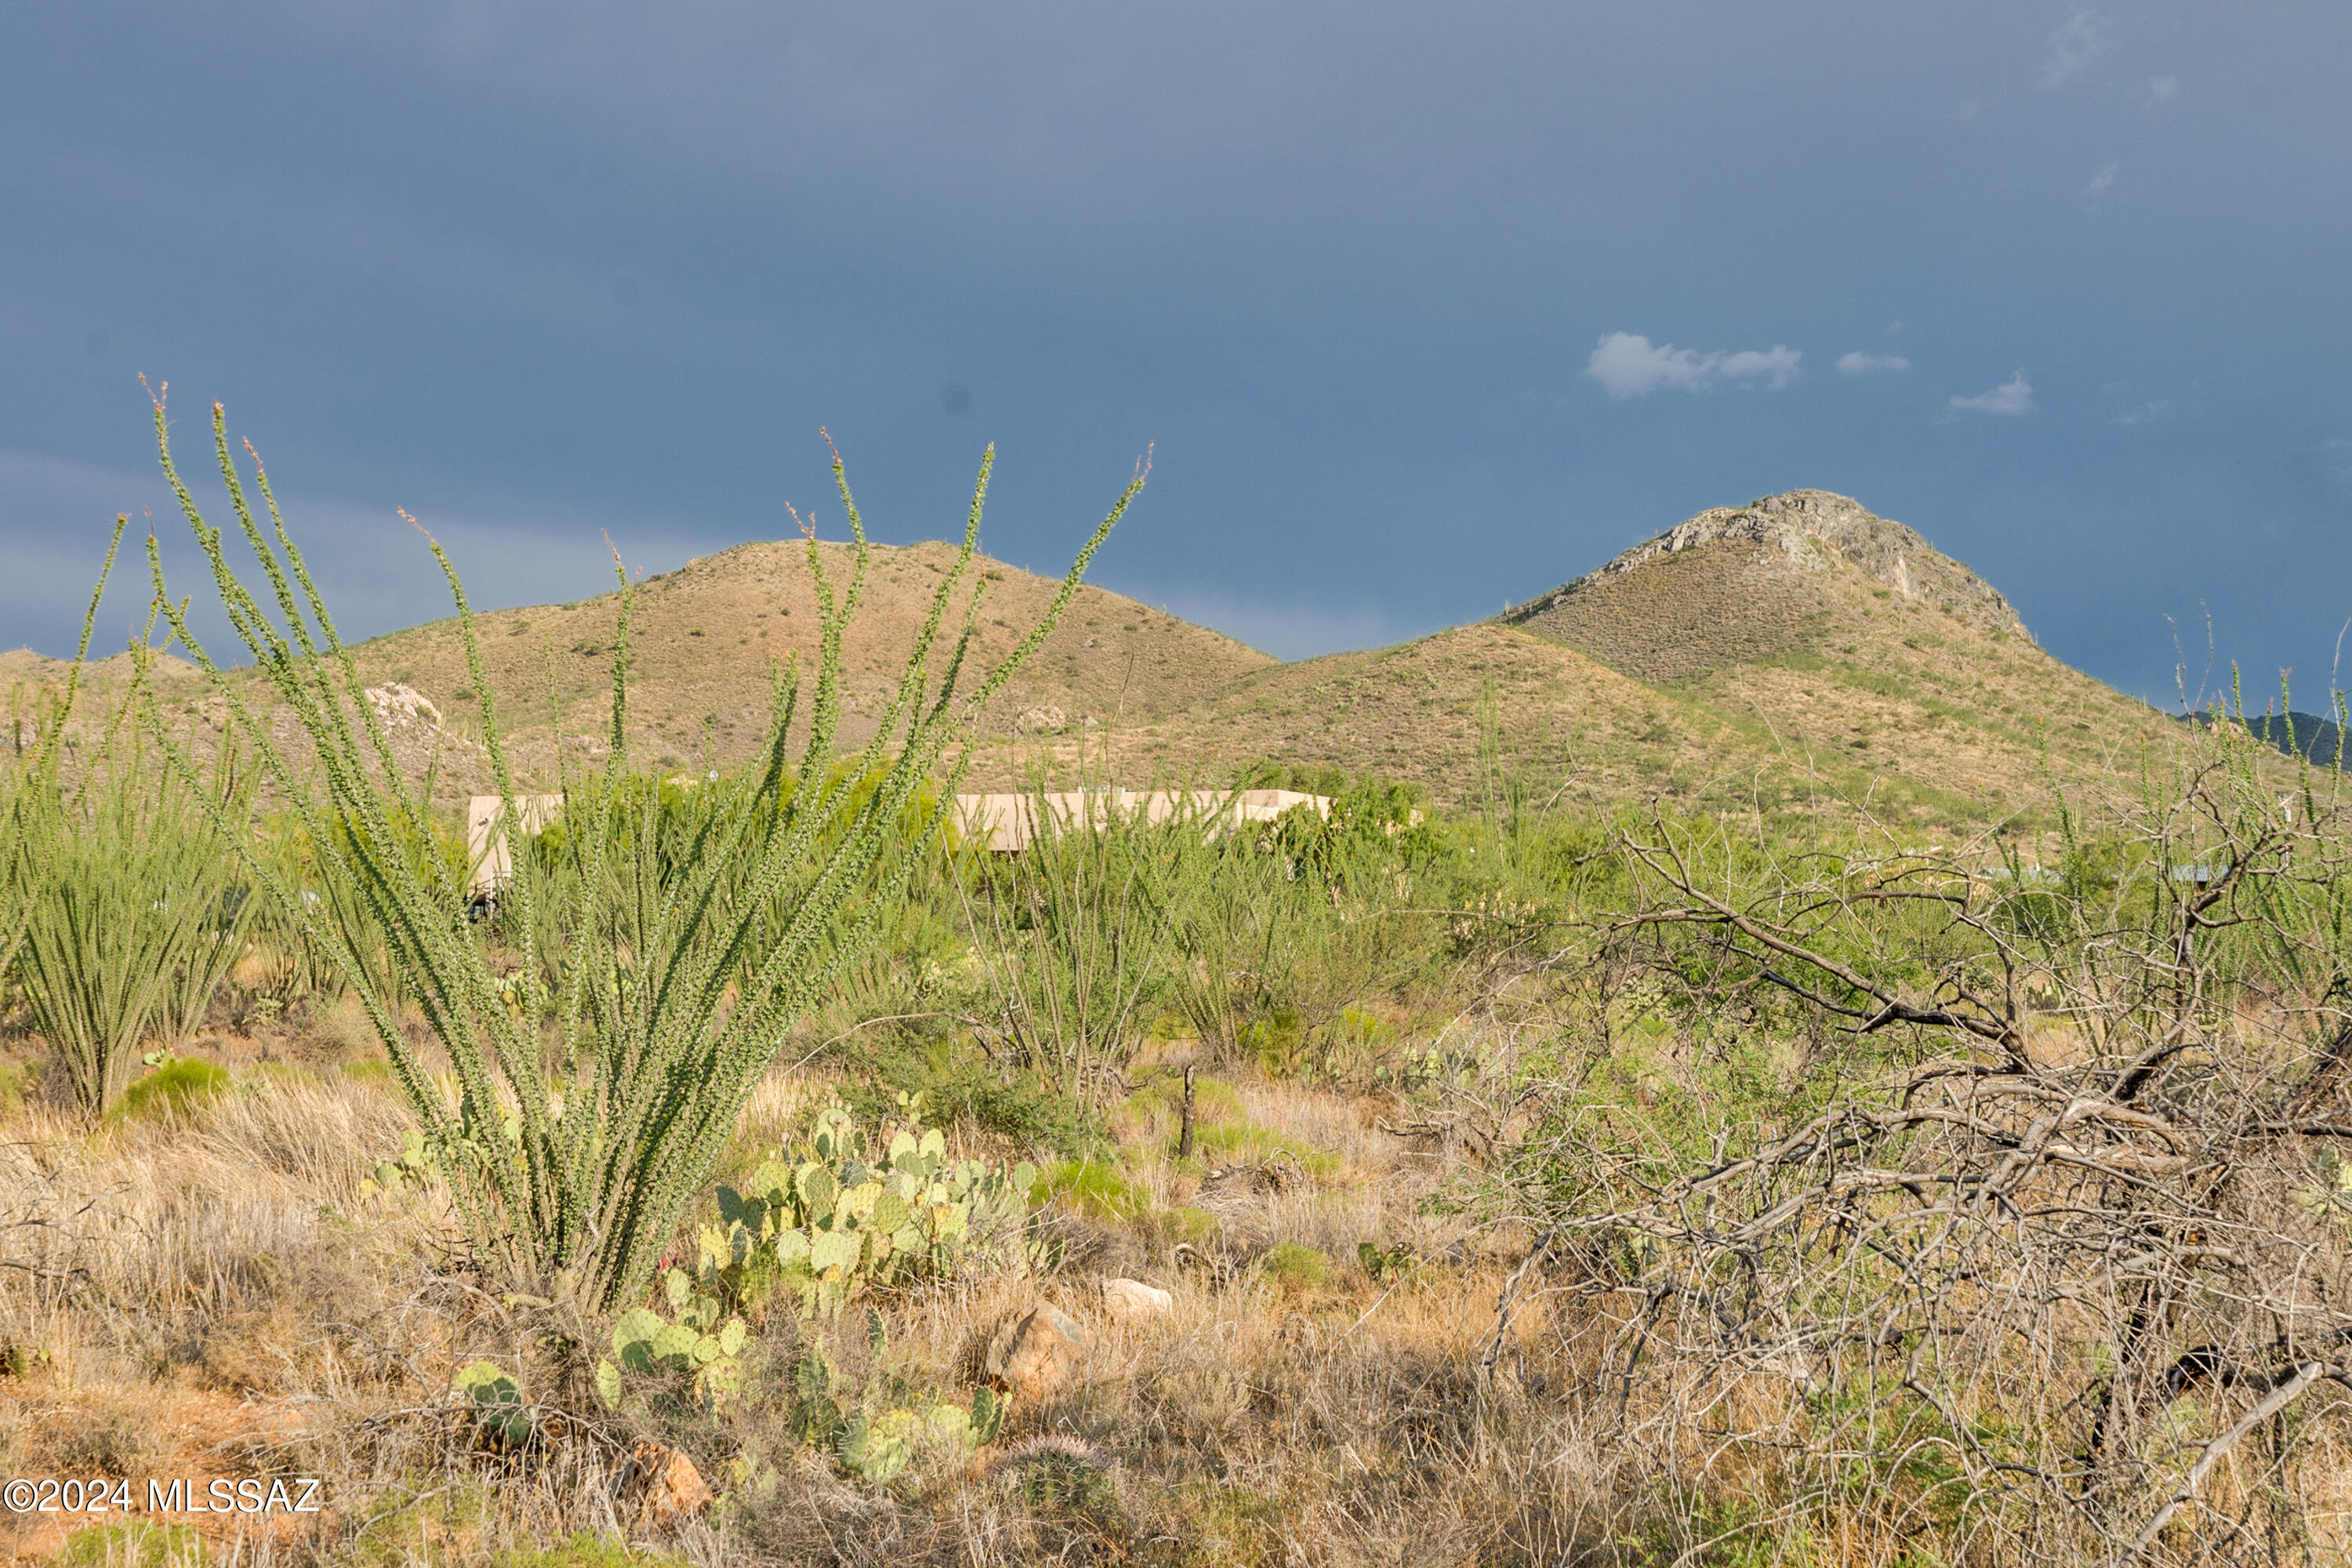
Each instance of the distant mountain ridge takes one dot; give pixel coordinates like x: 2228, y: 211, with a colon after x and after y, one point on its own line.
x: 1758, y: 660
x: 2312, y: 735
x: 1766, y: 660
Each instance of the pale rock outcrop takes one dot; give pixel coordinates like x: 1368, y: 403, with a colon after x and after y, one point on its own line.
x: 1133, y: 1301
x: 1809, y: 529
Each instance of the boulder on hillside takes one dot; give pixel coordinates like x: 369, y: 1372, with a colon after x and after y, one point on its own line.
x: 1035, y: 1354
x: 659, y: 1487
x: 1133, y: 1301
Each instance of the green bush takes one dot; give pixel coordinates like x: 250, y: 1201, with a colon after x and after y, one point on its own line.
x: 1214, y: 1099
x: 1095, y: 1188
x: 145, y: 914
x: 586, y: 1551
x: 30, y: 821
x: 174, y: 1088
x: 138, y: 1544
x: 18, y: 1082
x: 1072, y: 934
x: 962, y: 1085
x: 1247, y: 1143
x: 1295, y: 1270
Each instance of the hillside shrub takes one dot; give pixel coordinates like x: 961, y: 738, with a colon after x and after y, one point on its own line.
x: 30, y: 820
x: 1295, y: 1270
x: 174, y: 1088
x: 2004, y: 1201
x: 1073, y: 935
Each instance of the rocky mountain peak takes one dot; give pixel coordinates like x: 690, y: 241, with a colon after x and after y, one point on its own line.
x: 1814, y: 531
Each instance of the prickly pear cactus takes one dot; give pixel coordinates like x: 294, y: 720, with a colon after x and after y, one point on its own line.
x: 500, y: 1417
x: 878, y: 1448
x: 413, y: 1168
x: 837, y: 1214
x: 694, y: 1342
x: 877, y: 1444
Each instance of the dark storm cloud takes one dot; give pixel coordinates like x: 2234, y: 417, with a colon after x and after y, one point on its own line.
x: 537, y: 271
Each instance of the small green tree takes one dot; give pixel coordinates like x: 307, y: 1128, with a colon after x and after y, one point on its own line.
x: 589, y: 1114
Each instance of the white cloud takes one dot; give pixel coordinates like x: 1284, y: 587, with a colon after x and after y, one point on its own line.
x: 2104, y: 180
x: 1628, y: 364
x: 2080, y: 42
x: 2160, y: 90
x: 2014, y: 396
x: 1777, y: 365
x: 2144, y: 413
x: 1859, y: 363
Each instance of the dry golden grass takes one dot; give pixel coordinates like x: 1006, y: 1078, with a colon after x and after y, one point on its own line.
x: 223, y: 1294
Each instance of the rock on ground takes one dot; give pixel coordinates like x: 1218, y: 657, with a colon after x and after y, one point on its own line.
x: 1035, y: 1354
x: 660, y: 1486
x: 1133, y: 1301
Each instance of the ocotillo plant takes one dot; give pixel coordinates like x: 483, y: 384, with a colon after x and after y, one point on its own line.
x: 1074, y: 934
x: 29, y: 791
x: 571, y: 1159
x: 140, y: 921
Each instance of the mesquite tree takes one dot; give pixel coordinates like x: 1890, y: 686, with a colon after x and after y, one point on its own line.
x: 2048, y: 1256
x: 590, y: 1108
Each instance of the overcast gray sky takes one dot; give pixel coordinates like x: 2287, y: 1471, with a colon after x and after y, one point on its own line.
x: 1426, y: 307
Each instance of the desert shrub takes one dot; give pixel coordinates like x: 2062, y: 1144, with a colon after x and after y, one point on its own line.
x: 584, y: 1551
x: 1245, y: 1142
x: 1163, y: 1094
x: 1246, y: 936
x: 1095, y: 1188
x: 142, y: 918
x: 1294, y: 1268
x: 116, y: 1438
x: 1020, y: 1107
x: 30, y: 823
x: 138, y: 1544
x: 176, y: 1085
x: 18, y: 1082
x: 571, y: 1155
x: 1865, y: 1146
x: 1073, y: 934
